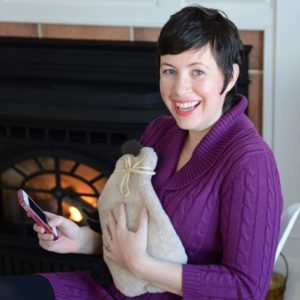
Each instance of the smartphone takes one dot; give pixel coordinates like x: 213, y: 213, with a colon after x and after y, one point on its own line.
x: 35, y: 212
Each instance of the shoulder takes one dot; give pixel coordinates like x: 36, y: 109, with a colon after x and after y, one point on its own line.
x: 156, y: 130
x: 250, y: 153
x: 249, y: 168
x: 244, y: 140
x: 245, y: 148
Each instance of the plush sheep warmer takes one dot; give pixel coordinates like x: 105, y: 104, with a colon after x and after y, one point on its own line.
x: 131, y: 183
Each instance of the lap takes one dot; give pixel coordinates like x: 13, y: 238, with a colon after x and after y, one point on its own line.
x: 33, y: 287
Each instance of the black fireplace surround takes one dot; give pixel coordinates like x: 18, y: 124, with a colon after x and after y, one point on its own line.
x: 66, y: 106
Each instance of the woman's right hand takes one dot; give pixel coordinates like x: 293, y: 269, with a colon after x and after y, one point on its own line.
x: 70, y: 235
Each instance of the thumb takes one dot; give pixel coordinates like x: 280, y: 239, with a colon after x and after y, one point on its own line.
x: 49, y: 214
x: 55, y: 220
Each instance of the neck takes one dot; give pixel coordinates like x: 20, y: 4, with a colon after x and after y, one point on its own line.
x: 195, y: 137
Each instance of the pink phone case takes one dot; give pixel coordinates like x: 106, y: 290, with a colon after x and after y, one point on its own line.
x: 34, y: 216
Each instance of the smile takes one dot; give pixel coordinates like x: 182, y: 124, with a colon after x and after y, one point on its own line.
x: 187, y: 106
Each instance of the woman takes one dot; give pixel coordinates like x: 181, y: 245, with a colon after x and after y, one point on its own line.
x: 216, y: 179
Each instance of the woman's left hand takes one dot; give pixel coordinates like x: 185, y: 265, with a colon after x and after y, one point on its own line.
x: 124, y: 247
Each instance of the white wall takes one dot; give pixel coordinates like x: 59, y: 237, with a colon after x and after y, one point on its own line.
x: 286, y: 139
x: 147, y: 13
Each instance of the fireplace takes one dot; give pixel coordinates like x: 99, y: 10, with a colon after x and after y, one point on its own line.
x: 66, y: 106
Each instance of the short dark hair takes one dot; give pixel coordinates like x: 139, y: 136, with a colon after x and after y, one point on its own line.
x: 194, y: 27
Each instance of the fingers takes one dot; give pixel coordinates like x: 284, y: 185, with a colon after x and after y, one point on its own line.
x: 110, y: 231
x: 55, y: 221
x: 121, y: 222
x: 38, y: 228
x: 107, y: 238
x: 47, y: 243
x: 111, y: 222
x: 46, y: 240
x: 41, y: 233
x: 122, y: 215
x: 107, y: 253
x: 143, y: 225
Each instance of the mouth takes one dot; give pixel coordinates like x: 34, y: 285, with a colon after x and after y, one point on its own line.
x: 187, y: 106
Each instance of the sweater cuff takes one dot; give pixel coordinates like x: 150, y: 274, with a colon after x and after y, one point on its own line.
x: 190, y: 289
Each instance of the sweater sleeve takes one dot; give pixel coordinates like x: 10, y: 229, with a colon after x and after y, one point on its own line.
x: 250, y: 211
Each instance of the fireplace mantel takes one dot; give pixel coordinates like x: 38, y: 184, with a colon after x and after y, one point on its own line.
x: 247, y: 14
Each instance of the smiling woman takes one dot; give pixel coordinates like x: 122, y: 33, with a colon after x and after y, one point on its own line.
x: 216, y: 179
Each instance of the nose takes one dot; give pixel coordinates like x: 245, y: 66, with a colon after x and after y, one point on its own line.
x: 181, y: 86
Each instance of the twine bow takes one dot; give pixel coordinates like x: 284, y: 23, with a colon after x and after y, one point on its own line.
x: 136, y: 168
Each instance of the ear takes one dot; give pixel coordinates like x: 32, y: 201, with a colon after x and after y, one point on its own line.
x: 234, y: 77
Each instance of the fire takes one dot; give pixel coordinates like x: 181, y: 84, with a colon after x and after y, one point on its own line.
x: 59, y: 185
x: 75, y: 214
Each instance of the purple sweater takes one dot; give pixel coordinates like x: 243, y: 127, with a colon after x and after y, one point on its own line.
x: 225, y: 205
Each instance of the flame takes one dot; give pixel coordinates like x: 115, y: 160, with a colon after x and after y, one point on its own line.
x: 75, y: 214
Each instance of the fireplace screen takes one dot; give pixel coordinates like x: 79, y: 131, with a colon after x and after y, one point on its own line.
x: 60, y: 185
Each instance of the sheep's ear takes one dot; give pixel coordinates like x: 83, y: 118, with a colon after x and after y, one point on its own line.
x: 131, y: 147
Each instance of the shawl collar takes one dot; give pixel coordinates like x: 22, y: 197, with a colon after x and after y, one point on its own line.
x: 205, y: 154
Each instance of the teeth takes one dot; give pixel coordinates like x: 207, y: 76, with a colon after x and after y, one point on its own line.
x: 187, y: 105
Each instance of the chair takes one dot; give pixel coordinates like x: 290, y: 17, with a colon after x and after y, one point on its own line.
x: 288, y: 219
x: 278, y: 281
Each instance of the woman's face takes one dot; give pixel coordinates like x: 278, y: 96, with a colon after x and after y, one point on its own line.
x: 190, y: 85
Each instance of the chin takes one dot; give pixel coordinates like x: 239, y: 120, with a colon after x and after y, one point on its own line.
x: 186, y: 126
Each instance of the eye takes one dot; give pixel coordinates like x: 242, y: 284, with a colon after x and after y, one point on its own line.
x: 169, y: 71
x: 197, y: 73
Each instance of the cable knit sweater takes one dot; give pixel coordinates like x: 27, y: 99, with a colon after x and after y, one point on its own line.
x: 225, y: 205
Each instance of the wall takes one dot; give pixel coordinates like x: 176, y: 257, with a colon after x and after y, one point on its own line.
x: 287, y: 123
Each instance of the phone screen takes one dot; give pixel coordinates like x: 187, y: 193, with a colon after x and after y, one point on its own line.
x: 36, y: 213
x: 37, y: 210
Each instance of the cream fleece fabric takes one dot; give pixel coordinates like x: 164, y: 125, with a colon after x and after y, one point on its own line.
x: 131, y: 183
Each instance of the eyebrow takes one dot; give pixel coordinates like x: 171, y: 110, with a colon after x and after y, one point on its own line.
x: 198, y: 63
x: 189, y: 65
x: 166, y: 64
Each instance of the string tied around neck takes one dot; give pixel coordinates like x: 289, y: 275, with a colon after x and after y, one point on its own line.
x: 136, y: 168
